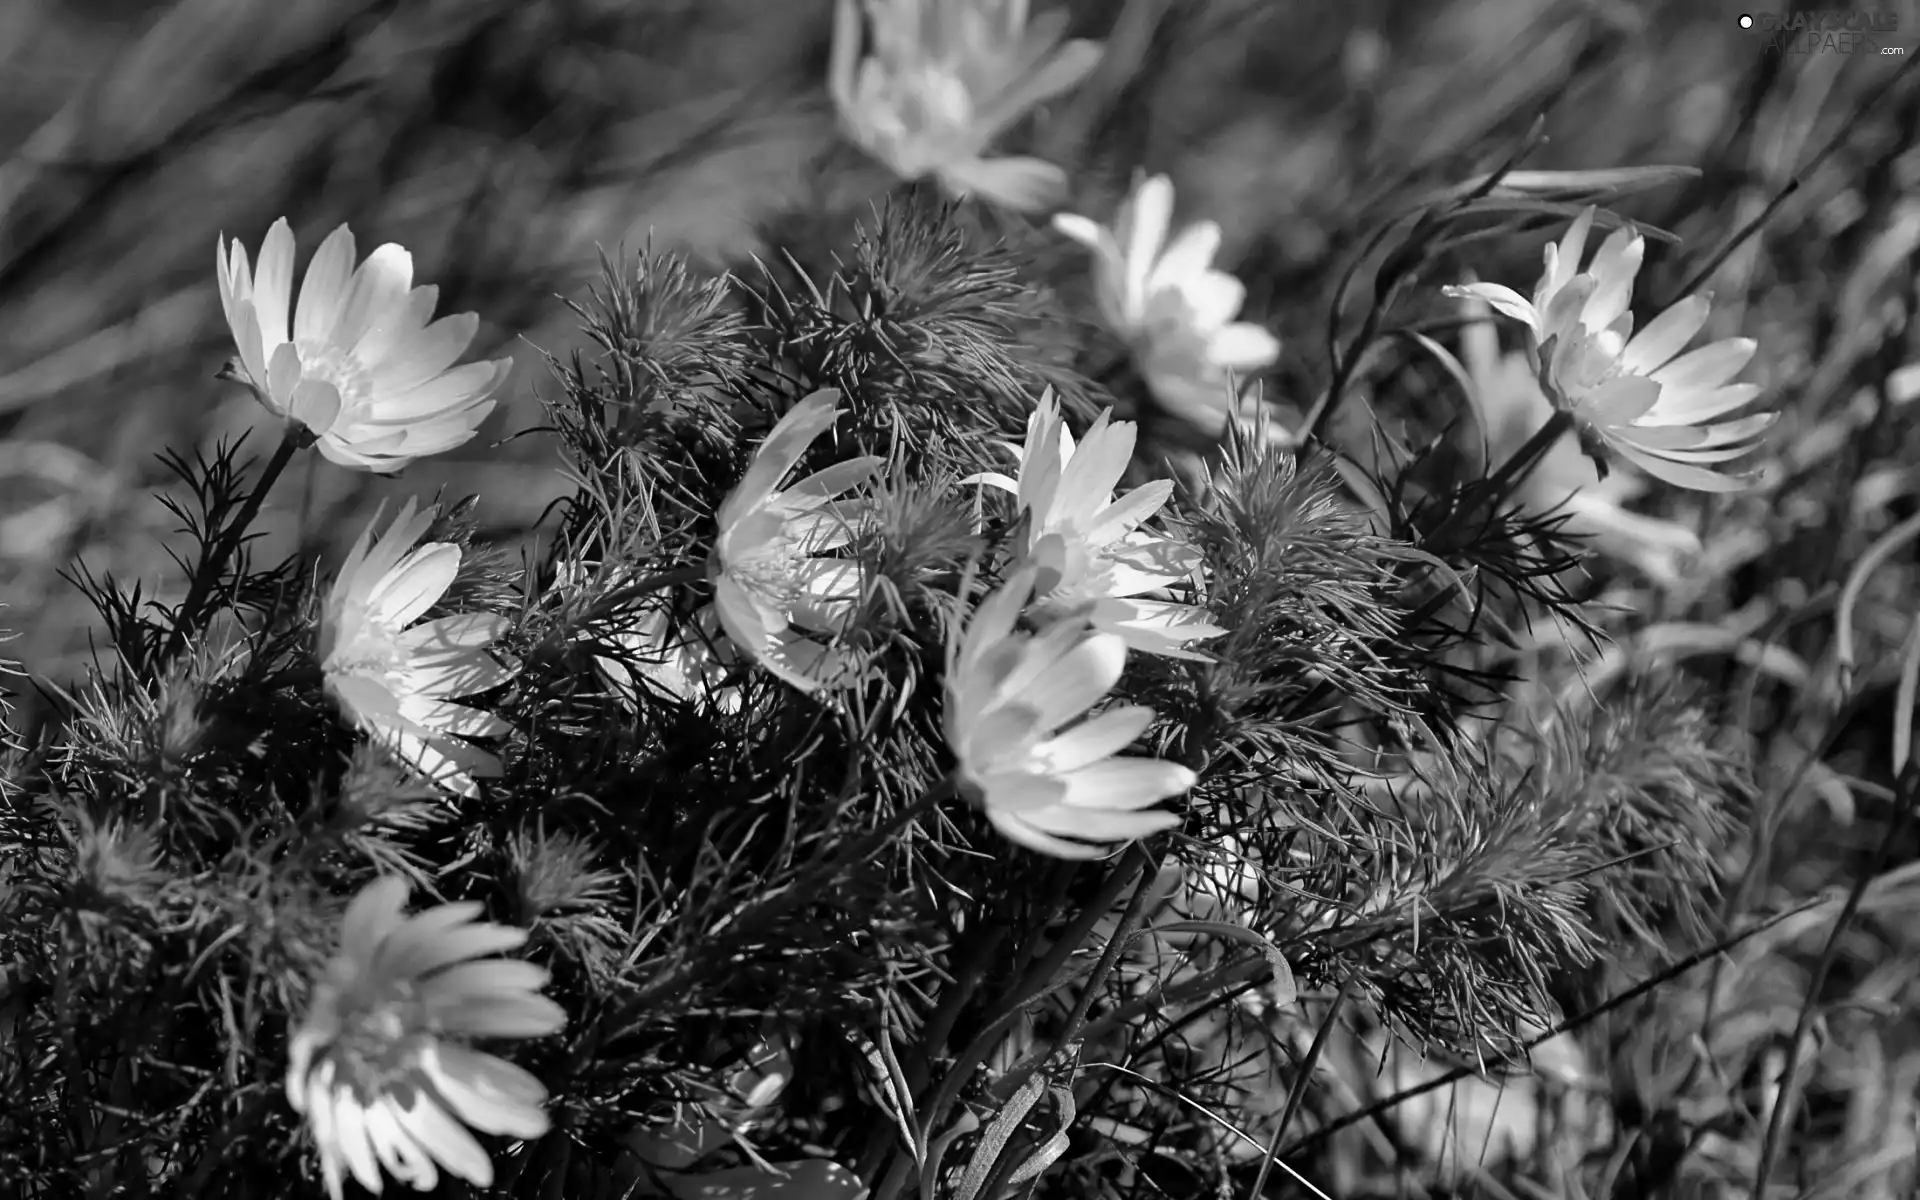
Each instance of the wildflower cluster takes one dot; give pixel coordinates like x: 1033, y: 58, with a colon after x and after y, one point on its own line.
x: 829, y: 763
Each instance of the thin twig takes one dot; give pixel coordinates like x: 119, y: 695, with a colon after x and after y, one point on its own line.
x: 1908, y: 789
x: 1298, y: 1092
x: 1659, y: 979
x: 1840, y: 138
x: 232, y: 536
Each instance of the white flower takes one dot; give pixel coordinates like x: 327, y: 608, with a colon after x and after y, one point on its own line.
x: 773, y: 583
x: 1007, y: 695
x: 685, y: 666
x: 358, y: 366
x: 1658, y: 408
x: 943, y: 79
x: 378, y: 1067
x: 396, y: 683
x: 1171, y: 306
x: 1511, y: 408
x: 1094, y: 562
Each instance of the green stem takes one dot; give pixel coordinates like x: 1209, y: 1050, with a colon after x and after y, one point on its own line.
x: 1511, y: 474
x: 1659, y: 979
x: 232, y: 536
x: 618, y: 598
x: 1077, y: 1019
x: 1035, y: 984
x: 720, y: 945
x: 1298, y: 1091
x: 933, y: 1037
x: 1907, y: 792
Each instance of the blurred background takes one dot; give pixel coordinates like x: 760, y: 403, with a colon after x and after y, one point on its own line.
x: 507, y: 144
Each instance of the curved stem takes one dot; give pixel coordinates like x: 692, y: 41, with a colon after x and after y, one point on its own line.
x: 1876, y: 556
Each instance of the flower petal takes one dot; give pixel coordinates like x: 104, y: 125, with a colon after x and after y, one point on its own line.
x: 1709, y: 366
x: 441, y: 1136
x: 273, y: 284
x: 488, y: 1093
x: 1018, y: 183
x: 1126, y: 783
x: 324, y: 287
x: 1504, y: 300
x: 1094, y: 739
x: 1665, y: 336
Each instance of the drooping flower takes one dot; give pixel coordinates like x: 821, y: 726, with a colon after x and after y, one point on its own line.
x: 1511, y: 408
x: 1655, y: 406
x: 378, y: 1066
x: 685, y: 665
x: 942, y: 79
x: 355, y: 362
x: 1009, y: 692
x: 774, y: 583
x: 1172, y: 307
x: 1094, y: 561
x: 398, y: 684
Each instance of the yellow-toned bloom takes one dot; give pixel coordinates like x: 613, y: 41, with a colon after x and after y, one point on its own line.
x: 1659, y: 408
x: 1094, y: 562
x: 1511, y: 408
x: 684, y: 665
x: 774, y: 582
x: 398, y: 684
x: 356, y: 361
x: 1009, y: 692
x: 379, y: 1065
x: 1172, y: 307
x: 942, y: 79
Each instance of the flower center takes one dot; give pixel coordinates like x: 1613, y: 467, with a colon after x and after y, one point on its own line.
x: 1071, y: 575
x: 321, y: 359
x: 769, y: 571
x: 369, y: 648
x: 924, y: 117
x: 381, y: 1033
x: 1589, y: 359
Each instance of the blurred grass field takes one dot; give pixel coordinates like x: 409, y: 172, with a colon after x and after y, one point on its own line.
x: 506, y: 144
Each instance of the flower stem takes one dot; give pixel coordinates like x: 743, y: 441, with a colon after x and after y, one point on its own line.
x: 1037, y: 982
x: 1123, y: 933
x: 614, y: 601
x: 1511, y: 474
x: 189, y: 618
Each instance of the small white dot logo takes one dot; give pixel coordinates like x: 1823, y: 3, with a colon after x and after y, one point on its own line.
x: 1746, y: 21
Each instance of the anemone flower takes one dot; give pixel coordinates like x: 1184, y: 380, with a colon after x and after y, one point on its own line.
x: 684, y: 665
x: 379, y: 1067
x: 356, y: 362
x: 1656, y: 406
x: 942, y: 79
x: 1172, y: 307
x: 399, y: 684
x: 773, y: 578
x: 1510, y: 408
x: 1095, y: 561
x: 1008, y: 692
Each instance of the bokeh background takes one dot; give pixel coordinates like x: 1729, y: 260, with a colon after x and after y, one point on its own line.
x: 508, y: 143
